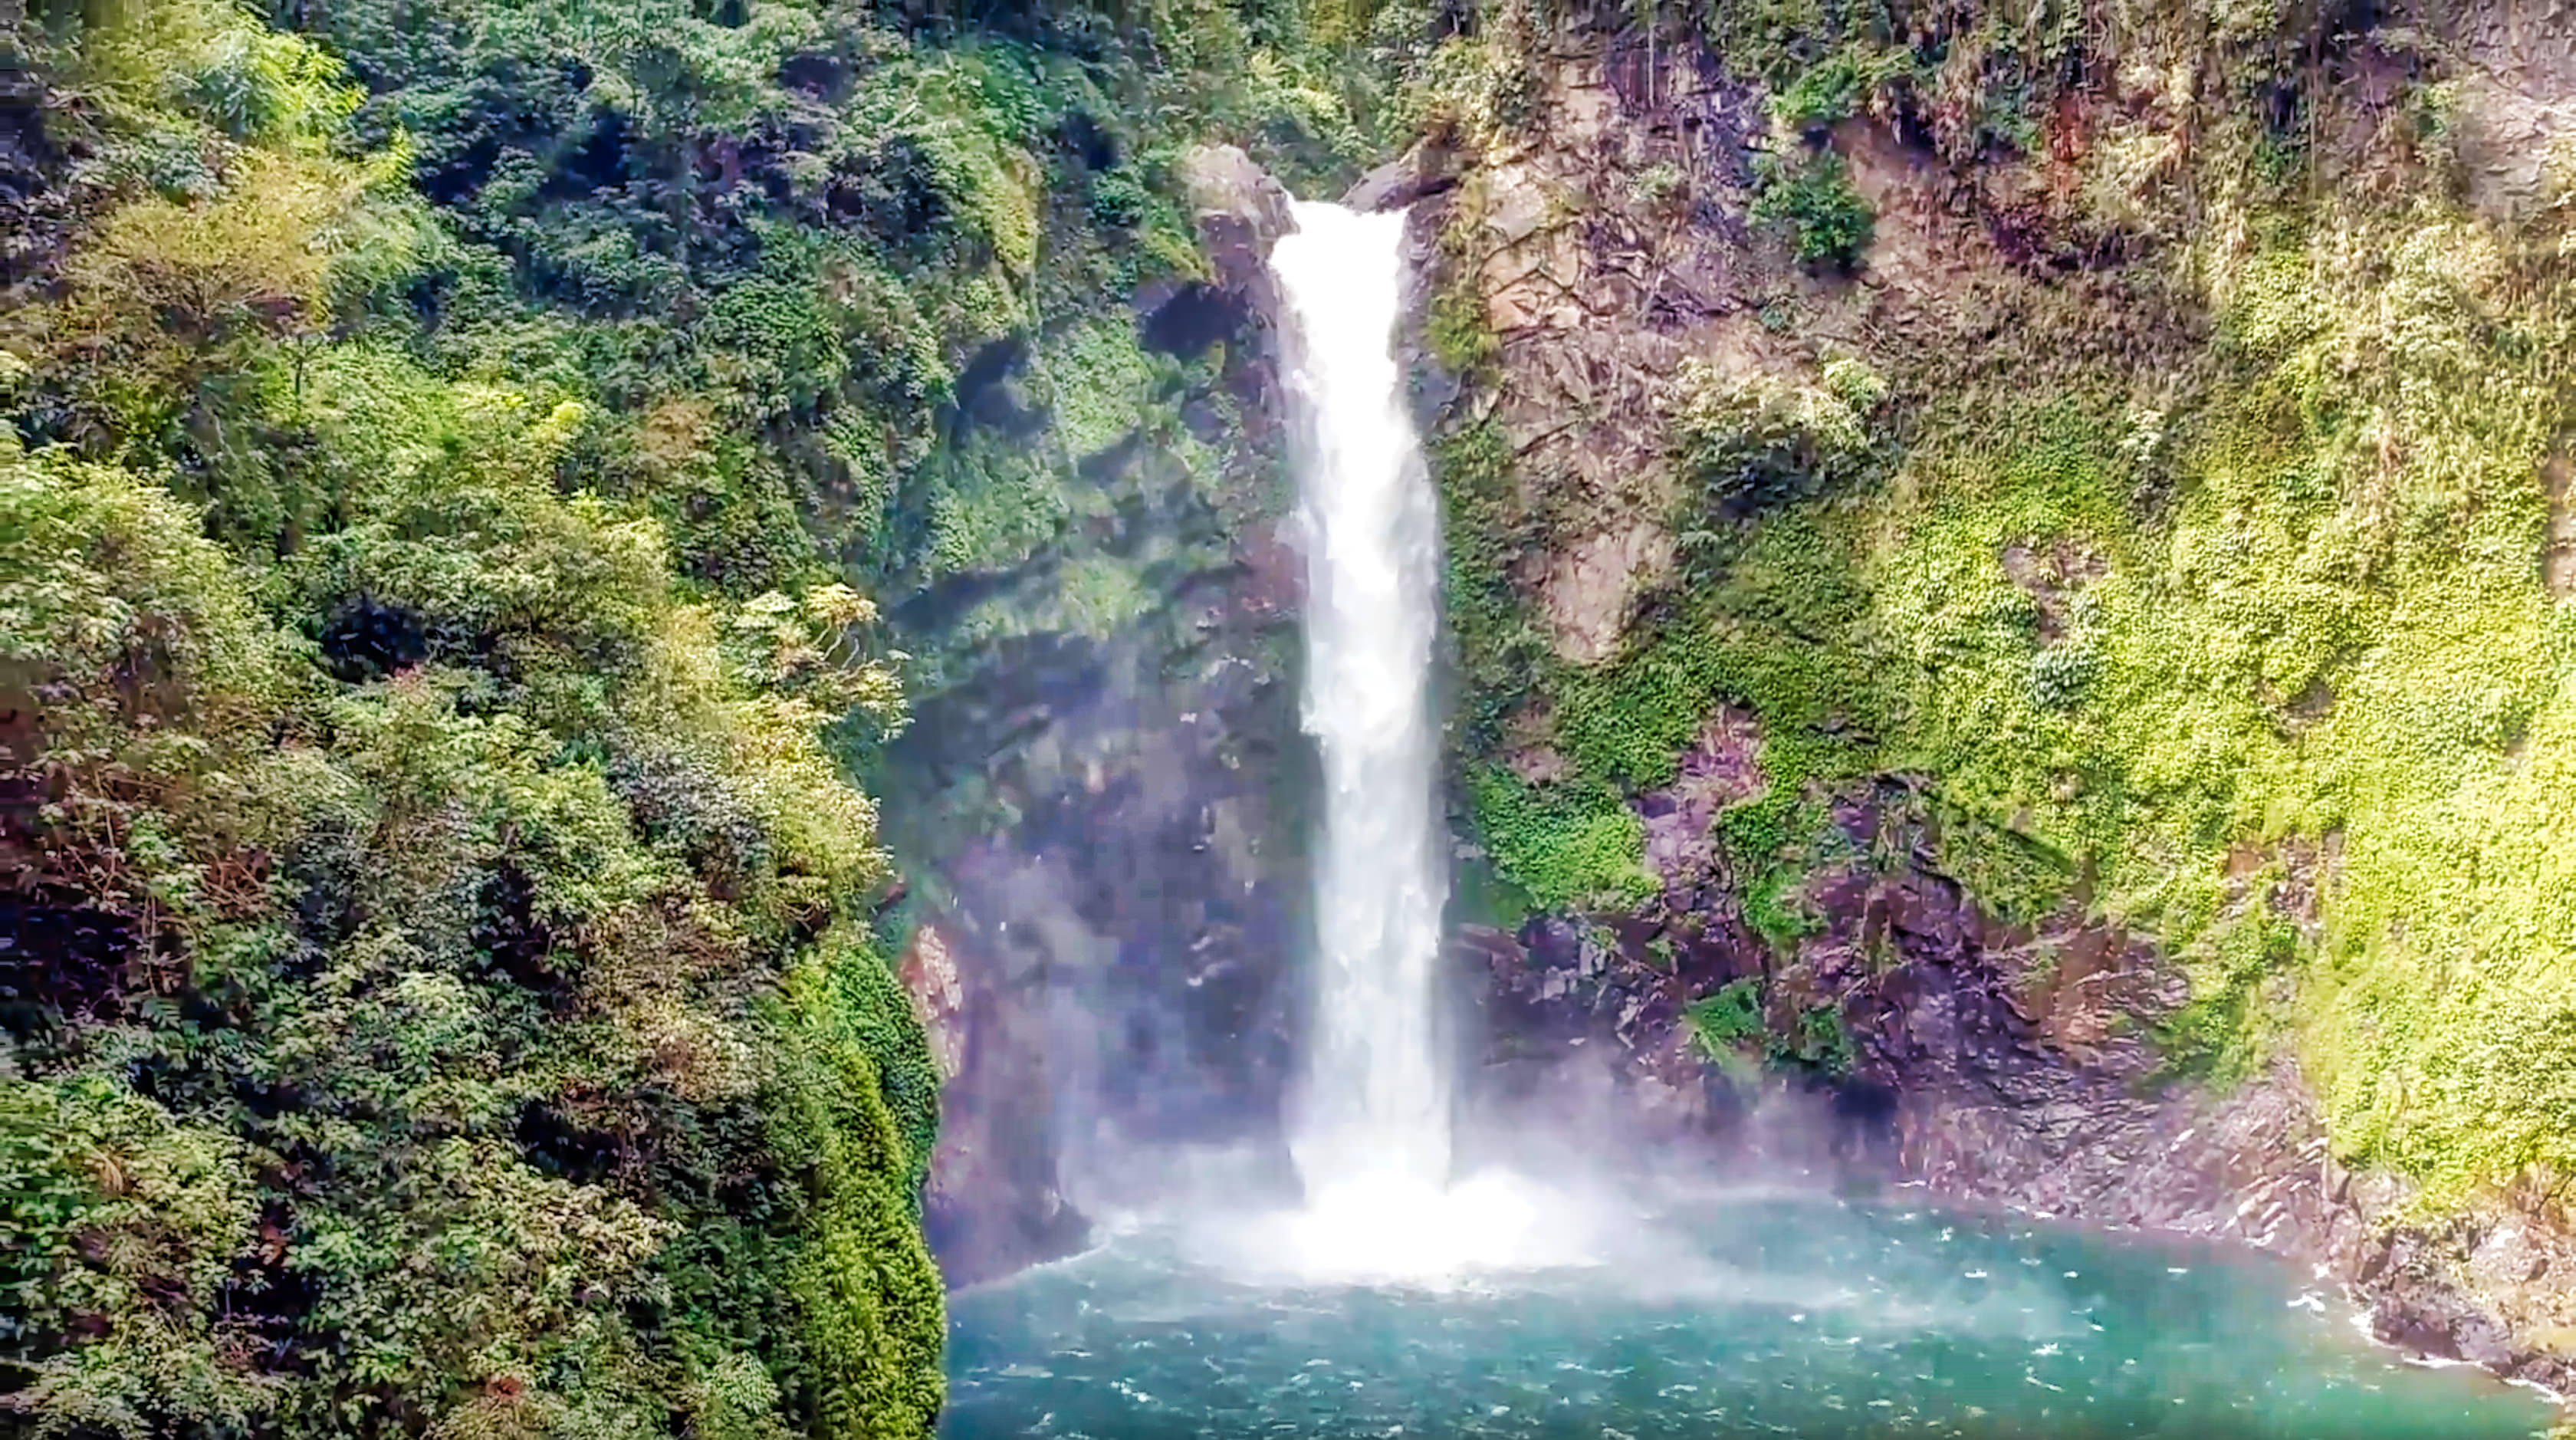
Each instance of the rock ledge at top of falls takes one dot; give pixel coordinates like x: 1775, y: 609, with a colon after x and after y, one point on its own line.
x: 1428, y: 169
x: 1241, y: 210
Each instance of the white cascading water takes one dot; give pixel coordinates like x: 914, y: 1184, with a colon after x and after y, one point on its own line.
x: 1375, y: 1110
x: 1372, y: 1133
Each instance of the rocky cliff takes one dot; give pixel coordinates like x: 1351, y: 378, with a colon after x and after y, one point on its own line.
x: 1107, y: 818
x: 1960, y: 534
x: 2003, y: 590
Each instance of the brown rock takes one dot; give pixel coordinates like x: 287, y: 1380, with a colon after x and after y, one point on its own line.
x: 929, y: 976
x: 1241, y: 212
x: 1428, y: 169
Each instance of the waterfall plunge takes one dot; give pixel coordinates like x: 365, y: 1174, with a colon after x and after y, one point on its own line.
x: 1372, y: 1137
x: 1375, y: 1107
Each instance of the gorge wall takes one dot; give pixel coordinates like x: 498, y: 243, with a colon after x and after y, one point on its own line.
x: 555, y: 560
x: 2006, y: 592
x: 1109, y: 820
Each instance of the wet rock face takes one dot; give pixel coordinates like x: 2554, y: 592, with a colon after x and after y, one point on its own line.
x: 1103, y: 829
x: 2518, y: 101
x: 1723, y: 767
x: 1107, y: 967
x: 1430, y: 168
x: 992, y: 1205
x: 1241, y: 211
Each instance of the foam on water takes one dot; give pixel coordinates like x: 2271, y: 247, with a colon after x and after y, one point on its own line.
x: 1391, y: 1230
x: 1710, y: 1318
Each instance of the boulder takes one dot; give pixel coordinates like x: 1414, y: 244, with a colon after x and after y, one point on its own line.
x: 1425, y: 170
x: 1241, y: 212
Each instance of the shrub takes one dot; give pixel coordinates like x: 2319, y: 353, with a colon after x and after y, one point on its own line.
x: 2061, y: 674
x: 1656, y: 185
x: 1755, y: 442
x: 1474, y: 86
x: 1460, y: 333
x: 1829, y: 223
x: 1563, y: 845
x: 1728, y: 1020
x: 1822, y: 94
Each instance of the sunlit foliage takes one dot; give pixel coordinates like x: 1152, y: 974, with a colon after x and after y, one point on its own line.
x: 457, y: 456
x: 439, y: 997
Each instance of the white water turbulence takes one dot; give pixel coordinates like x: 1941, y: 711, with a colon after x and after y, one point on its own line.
x: 1372, y: 1132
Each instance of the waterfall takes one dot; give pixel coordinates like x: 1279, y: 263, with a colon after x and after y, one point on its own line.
x: 1374, y: 1108
x: 1371, y: 1127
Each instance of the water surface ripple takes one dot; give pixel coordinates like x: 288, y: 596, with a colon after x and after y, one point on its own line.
x: 1758, y: 1317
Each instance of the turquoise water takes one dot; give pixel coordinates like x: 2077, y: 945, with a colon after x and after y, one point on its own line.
x: 1729, y: 1317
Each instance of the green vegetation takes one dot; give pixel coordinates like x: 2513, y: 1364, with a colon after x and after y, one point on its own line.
x: 1487, y: 532
x: 1768, y: 844
x: 1817, y: 97
x: 455, y: 457
x: 1752, y: 443
x: 1729, y: 1018
x: 450, y: 454
x: 1731, y: 1029
x: 1819, y: 1042
x: 1562, y: 845
x: 1460, y: 337
x: 395, y: 1049
x: 1829, y: 223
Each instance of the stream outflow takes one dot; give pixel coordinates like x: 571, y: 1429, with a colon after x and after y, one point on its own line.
x: 1724, y: 1317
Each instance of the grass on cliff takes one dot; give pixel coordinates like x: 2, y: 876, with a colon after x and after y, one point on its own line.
x: 2328, y: 668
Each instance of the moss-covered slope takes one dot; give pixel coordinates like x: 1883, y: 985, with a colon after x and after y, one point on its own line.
x: 2163, y: 486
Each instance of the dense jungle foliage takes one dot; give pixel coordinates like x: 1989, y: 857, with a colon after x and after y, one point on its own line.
x: 482, y: 480
x: 2204, y: 573
x: 457, y: 456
